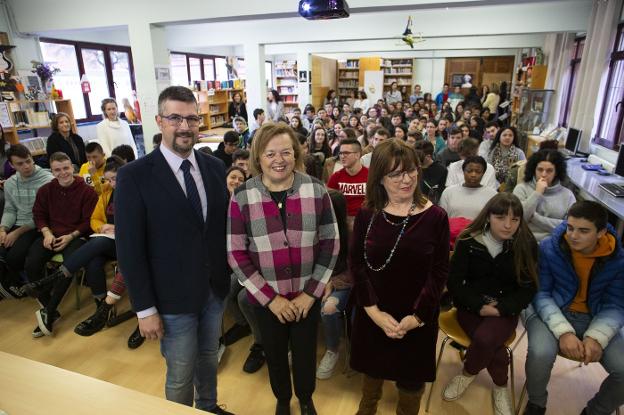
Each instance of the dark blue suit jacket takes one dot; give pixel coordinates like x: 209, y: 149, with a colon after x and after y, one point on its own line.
x: 168, y: 258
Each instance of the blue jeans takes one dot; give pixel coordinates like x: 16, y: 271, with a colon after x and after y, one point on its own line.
x: 542, y: 352
x: 190, y: 347
x: 333, y: 323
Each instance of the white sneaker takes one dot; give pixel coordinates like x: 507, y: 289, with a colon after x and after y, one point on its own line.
x: 328, y: 363
x: 456, y: 387
x: 220, y: 352
x: 502, y: 401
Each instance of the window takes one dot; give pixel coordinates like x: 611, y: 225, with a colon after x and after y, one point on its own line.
x: 610, y: 128
x: 222, y: 73
x: 209, y: 69
x: 108, y: 69
x: 196, y: 69
x: 569, y: 86
x: 179, y: 69
x: 242, y: 69
x: 68, y: 79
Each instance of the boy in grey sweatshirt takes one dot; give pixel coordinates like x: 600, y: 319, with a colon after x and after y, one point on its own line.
x: 17, y: 228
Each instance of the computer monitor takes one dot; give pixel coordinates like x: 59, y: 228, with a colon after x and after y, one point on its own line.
x: 619, y: 164
x: 573, y: 140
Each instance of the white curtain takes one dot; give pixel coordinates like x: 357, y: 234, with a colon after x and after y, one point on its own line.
x: 586, y: 104
x: 558, y: 51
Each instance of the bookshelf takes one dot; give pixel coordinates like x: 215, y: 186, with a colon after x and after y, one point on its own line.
x: 286, y: 81
x: 213, y: 107
x: 398, y: 70
x: 32, y: 115
x: 348, y: 77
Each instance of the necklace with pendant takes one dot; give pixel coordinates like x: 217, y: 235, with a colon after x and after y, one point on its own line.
x: 280, y: 202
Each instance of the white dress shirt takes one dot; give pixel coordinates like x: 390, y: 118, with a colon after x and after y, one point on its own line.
x: 174, y: 161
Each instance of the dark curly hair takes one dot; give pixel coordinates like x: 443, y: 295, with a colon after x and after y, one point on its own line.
x: 553, y: 156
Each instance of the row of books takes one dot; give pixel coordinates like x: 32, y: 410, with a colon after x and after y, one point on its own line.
x: 31, y: 118
x: 218, y: 85
x: 217, y: 119
x: 348, y: 74
x: 348, y: 84
x: 391, y: 71
x: 400, y: 81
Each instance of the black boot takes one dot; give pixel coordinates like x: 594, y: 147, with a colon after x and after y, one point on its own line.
x: 97, y: 321
x: 34, y: 289
x: 282, y: 408
x: 307, y: 408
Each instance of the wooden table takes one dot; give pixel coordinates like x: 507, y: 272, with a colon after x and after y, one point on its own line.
x: 29, y: 387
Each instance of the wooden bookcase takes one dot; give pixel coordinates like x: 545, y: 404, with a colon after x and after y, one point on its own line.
x: 213, y: 107
x: 41, y: 112
x: 348, y: 77
x: 286, y: 81
x: 399, y: 71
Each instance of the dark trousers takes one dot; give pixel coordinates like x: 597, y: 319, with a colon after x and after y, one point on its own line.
x: 301, y: 337
x: 36, y: 259
x: 15, y: 256
x: 487, y: 348
x: 92, y: 256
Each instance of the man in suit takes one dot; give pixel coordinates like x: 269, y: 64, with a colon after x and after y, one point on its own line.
x: 170, y: 232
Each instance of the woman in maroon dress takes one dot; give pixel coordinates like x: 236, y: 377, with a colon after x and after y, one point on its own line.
x: 399, y: 261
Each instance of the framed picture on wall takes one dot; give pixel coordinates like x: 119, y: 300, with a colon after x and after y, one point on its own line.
x: 303, y: 76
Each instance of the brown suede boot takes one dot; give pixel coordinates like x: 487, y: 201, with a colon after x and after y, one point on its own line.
x: 371, y: 393
x: 409, y: 401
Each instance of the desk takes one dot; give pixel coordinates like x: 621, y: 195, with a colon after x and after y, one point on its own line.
x: 590, y: 181
x: 30, y: 387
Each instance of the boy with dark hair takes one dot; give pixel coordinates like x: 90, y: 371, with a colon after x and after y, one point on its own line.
x: 433, y: 174
x: 93, y: 170
x: 256, y: 123
x: 230, y: 144
x: 17, y: 229
x: 579, y: 308
x: 240, y: 126
x: 450, y: 153
x: 240, y: 158
x: 125, y: 152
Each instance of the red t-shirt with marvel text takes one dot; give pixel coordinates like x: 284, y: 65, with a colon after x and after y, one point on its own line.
x: 352, y: 187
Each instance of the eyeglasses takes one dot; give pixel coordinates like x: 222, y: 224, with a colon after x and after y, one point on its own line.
x: 176, y: 120
x: 397, y: 176
x: 346, y: 153
x: 286, y: 154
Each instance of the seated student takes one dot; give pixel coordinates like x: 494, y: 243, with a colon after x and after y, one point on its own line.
x: 491, y: 129
x: 17, y: 229
x: 432, y: 135
x: 579, y: 307
x: 125, y: 152
x: 504, y: 152
x: 62, y: 212
x: 413, y: 137
x: 259, y: 117
x: 544, y: 198
x: 450, y: 153
x: 380, y: 135
x: 93, y: 170
x: 468, y: 147
x: 240, y: 126
x: 240, y: 158
x: 337, y: 291
x: 466, y: 200
x: 433, y: 174
x: 492, y: 279
x: 93, y: 255
x: 230, y: 144
x: 350, y: 180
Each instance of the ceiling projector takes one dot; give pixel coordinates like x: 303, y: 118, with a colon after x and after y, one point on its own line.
x: 323, y: 9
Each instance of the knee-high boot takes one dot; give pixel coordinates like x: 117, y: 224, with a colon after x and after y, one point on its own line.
x: 371, y: 393
x: 409, y: 401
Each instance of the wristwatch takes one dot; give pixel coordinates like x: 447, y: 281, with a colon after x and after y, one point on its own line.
x: 422, y: 323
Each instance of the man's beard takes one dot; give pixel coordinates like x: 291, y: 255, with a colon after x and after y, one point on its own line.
x: 183, y: 148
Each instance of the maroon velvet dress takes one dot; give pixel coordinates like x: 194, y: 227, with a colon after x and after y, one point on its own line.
x: 411, y: 283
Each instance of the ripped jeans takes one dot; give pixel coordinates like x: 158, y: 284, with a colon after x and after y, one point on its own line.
x: 331, y: 315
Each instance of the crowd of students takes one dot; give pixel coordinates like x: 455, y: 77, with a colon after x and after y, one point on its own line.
x: 351, y: 211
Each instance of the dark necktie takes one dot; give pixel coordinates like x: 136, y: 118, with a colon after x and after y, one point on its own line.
x: 191, y: 189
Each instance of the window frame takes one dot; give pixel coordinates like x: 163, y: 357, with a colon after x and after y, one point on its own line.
x: 574, y: 64
x: 107, y: 49
x: 201, y: 58
x: 616, y: 56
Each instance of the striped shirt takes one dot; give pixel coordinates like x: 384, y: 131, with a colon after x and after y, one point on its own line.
x: 270, y: 260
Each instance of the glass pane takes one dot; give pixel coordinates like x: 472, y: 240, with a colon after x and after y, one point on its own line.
x: 208, y: 70
x: 95, y: 68
x: 615, y: 94
x: 179, y: 73
x: 579, y: 49
x: 222, y: 74
x: 122, y: 79
x: 242, y: 69
x: 620, y: 46
x: 68, y: 79
x: 195, y: 65
x: 268, y: 69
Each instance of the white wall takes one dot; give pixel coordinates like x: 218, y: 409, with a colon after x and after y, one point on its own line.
x: 429, y: 73
x: 112, y: 36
